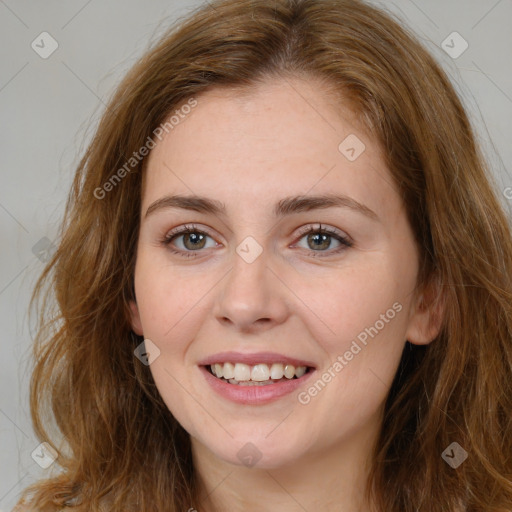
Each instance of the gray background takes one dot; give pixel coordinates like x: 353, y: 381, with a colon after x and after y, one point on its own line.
x: 49, y: 108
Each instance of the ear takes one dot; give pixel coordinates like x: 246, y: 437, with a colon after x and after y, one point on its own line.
x: 427, y: 314
x: 135, y: 318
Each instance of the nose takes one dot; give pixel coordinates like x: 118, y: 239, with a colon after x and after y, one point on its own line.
x: 252, y: 297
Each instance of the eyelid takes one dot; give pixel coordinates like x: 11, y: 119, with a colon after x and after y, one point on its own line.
x: 180, y: 231
x: 301, y: 231
x: 184, y: 228
x: 314, y: 226
x: 344, y: 239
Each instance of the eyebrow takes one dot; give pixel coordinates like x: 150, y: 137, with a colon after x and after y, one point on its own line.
x: 287, y: 206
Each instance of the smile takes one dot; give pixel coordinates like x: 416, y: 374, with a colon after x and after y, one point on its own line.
x: 260, y: 374
x: 254, y: 392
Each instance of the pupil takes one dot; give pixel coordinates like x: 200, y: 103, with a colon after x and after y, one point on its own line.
x: 321, y: 238
x: 194, y: 237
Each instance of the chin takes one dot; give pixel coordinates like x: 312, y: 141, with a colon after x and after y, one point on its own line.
x: 258, y: 451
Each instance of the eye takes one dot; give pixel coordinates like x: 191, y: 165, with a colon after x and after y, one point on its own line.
x: 193, y: 240
x: 321, y: 238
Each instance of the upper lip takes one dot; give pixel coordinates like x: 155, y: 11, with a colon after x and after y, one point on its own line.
x: 254, y: 358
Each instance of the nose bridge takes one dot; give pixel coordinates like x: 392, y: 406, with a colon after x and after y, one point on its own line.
x: 250, y: 293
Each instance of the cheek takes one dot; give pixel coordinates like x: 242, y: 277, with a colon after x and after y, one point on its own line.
x: 167, y: 298
x: 347, y: 303
x: 362, y: 329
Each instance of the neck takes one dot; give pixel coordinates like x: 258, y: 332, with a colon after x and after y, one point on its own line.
x: 332, y: 478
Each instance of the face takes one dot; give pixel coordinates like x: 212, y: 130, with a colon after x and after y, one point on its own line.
x: 326, y: 285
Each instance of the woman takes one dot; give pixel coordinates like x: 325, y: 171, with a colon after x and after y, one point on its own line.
x: 284, y: 280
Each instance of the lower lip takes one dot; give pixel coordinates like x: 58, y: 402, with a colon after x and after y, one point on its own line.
x: 254, y: 395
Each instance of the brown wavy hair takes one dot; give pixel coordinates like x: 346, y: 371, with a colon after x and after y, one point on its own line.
x: 118, y: 445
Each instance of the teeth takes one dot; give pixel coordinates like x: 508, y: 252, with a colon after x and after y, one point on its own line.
x: 218, y: 370
x: 228, y: 371
x: 260, y: 372
x: 289, y: 371
x: 300, y: 371
x: 251, y: 383
x: 277, y: 371
x: 240, y: 372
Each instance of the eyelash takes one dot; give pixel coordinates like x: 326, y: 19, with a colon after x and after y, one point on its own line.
x: 187, y: 229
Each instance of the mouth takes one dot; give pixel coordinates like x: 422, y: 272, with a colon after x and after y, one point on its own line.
x: 261, y: 374
x: 255, y: 384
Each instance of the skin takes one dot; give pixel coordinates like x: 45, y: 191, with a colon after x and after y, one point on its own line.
x: 250, y: 152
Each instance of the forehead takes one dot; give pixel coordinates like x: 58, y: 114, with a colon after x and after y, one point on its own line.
x: 281, y: 138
